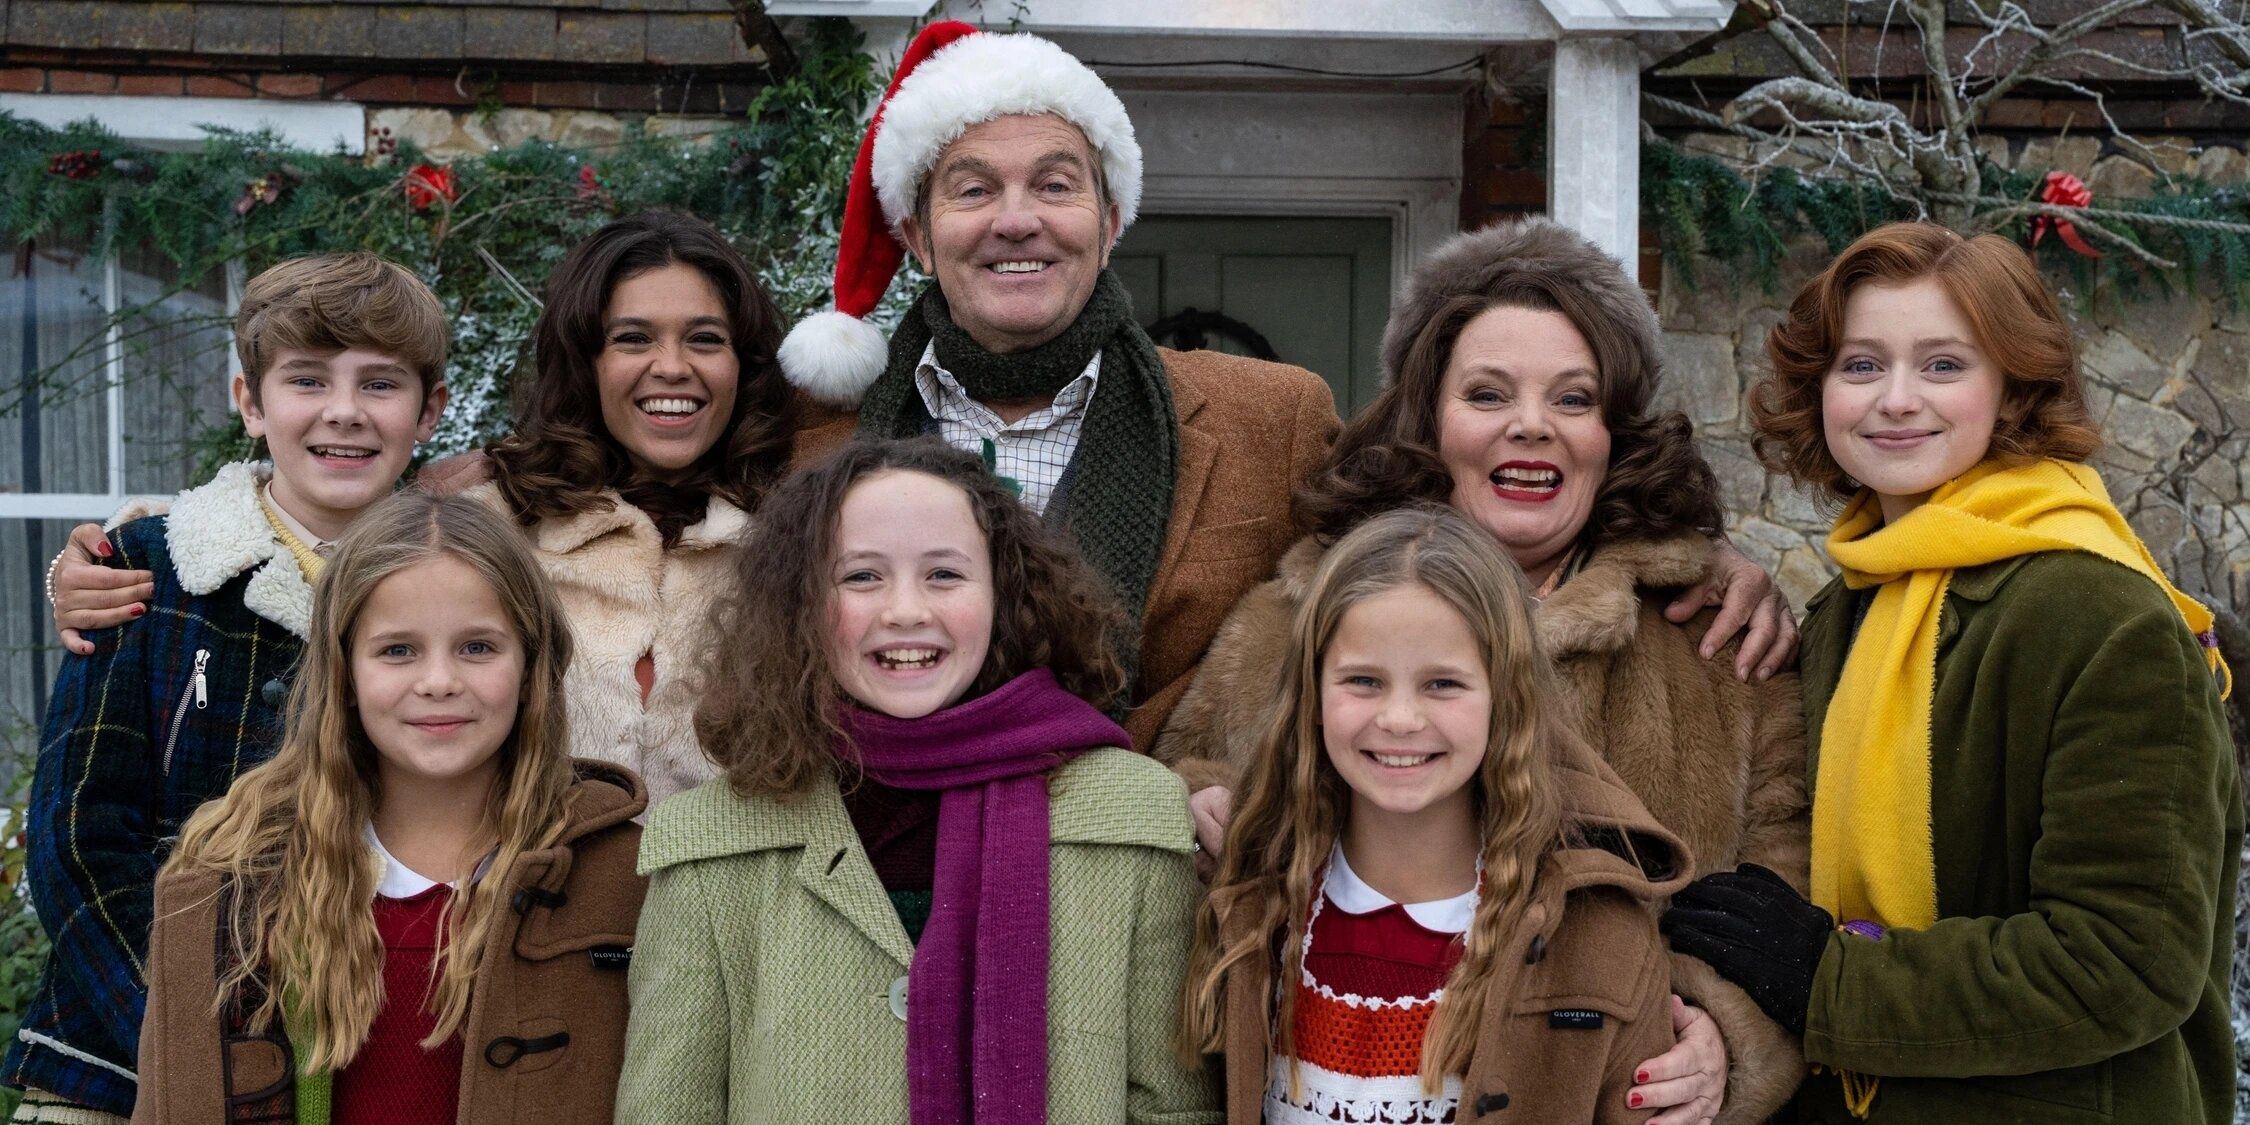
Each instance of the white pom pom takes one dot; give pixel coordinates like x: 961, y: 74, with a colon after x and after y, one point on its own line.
x: 834, y: 357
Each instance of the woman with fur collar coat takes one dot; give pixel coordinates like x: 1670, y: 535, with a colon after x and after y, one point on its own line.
x: 655, y: 421
x: 1521, y: 364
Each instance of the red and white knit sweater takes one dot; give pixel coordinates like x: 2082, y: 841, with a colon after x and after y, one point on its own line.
x: 1374, y: 971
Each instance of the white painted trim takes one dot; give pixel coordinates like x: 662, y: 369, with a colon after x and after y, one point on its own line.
x: 857, y: 9
x: 1594, y: 143
x: 1466, y: 22
x: 169, y: 122
x: 89, y: 507
x: 1627, y: 17
x: 113, y: 370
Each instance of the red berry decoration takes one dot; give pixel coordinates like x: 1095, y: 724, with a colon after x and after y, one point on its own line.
x: 83, y: 164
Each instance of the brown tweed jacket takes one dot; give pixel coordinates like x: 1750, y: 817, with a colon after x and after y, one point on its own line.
x: 1251, y: 434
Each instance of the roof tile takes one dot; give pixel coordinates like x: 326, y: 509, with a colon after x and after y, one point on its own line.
x: 418, y: 31
x: 335, y: 30
x: 693, y: 39
x: 168, y: 26
x: 237, y: 29
x: 55, y: 23
x: 601, y: 37
x: 508, y: 33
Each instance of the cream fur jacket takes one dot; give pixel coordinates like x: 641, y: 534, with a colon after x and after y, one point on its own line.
x: 1719, y: 762
x: 624, y: 595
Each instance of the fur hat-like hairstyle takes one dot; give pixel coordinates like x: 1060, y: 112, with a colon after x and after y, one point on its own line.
x: 1657, y: 484
x: 1532, y: 251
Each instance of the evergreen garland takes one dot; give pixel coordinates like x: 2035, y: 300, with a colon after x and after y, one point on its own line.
x: 1705, y: 211
x: 484, y: 231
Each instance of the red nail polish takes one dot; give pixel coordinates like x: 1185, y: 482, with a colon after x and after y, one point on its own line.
x: 102, y: 548
x: 1641, y: 1076
x: 139, y: 610
x: 1633, y: 1100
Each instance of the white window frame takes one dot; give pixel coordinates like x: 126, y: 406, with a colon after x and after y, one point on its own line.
x: 163, y: 122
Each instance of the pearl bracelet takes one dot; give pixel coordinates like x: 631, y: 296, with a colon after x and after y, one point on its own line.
x: 51, y: 568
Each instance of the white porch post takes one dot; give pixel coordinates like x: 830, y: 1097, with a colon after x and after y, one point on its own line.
x: 1594, y: 143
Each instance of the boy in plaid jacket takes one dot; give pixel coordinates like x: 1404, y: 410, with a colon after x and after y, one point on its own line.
x: 343, y: 359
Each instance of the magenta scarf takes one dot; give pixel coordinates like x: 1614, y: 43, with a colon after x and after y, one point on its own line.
x: 976, y: 1027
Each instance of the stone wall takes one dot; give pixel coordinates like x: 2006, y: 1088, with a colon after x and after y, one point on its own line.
x: 2168, y: 376
x: 445, y: 134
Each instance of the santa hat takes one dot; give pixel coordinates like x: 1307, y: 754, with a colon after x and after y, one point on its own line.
x: 951, y: 77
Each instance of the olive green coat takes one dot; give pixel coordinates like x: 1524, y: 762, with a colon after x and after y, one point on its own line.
x: 2087, y: 824
x: 763, y: 974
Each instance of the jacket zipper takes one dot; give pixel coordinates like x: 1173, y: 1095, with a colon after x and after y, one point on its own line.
x: 195, y: 692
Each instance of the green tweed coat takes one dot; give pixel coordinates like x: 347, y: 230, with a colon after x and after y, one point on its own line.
x: 768, y: 955
x: 2087, y: 825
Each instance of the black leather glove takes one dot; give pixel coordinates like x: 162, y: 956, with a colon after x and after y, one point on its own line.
x: 1756, y: 931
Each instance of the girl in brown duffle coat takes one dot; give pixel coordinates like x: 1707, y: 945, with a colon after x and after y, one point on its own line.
x: 421, y: 909
x: 1450, y: 890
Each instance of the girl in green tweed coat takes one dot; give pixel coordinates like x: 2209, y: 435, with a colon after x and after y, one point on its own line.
x: 930, y: 874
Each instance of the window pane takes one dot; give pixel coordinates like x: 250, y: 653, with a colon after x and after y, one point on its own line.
x: 28, y: 652
x: 53, y: 426
x: 178, y: 355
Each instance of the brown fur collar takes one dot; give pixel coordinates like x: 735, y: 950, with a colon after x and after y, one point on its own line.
x: 1598, y: 610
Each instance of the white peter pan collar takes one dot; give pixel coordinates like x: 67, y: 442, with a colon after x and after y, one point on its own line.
x: 1352, y: 895
x: 399, y: 880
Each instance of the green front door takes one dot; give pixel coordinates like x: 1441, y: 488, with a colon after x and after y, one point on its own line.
x: 1315, y: 290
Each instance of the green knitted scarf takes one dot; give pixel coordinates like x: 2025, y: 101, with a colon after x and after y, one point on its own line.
x: 1119, y: 491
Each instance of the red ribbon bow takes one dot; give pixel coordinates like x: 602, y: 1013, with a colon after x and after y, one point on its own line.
x: 426, y: 184
x: 2064, y: 190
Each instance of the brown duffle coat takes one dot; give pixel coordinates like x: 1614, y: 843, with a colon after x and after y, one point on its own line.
x: 1586, y: 942
x: 545, y: 1036
x: 1719, y: 762
x: 1251, y: 434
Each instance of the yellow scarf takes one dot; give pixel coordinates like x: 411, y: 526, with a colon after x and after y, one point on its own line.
x: 1871, y: 849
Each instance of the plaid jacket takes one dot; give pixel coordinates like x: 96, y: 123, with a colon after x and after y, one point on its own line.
x: 161, y: 718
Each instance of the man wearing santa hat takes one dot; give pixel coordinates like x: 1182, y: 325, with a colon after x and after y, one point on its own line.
x: 1009, y: 169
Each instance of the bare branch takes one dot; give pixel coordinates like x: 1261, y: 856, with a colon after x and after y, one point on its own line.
x: 2050, y: 46
x: 1791, y: 33
x: 2232, y: 39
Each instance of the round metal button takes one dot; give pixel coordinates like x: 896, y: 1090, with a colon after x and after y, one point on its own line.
x: 898, y: 998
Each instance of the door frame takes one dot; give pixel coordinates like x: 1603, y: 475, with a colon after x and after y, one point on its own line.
x: 1306, y: 154
x: 1422, y: 215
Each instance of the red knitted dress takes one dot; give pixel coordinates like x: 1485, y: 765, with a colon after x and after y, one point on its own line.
x: 394, y: 1080
x: 1374, y: 972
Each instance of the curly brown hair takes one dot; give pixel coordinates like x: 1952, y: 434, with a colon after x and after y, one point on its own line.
x: 1657, y: 484
x: 769, y: 713
x: 561, y: 458
x: 2016, y: 320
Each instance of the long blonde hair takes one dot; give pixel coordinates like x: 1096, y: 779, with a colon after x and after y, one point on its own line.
x: 1294, y: 803
x: 289, y: 839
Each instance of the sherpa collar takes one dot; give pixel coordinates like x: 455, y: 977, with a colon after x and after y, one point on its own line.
x: 722, y: 524
x: 216, y: 531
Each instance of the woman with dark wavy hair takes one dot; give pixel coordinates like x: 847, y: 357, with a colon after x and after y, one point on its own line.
x: 654, y: 422
x: 1522, y: 366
